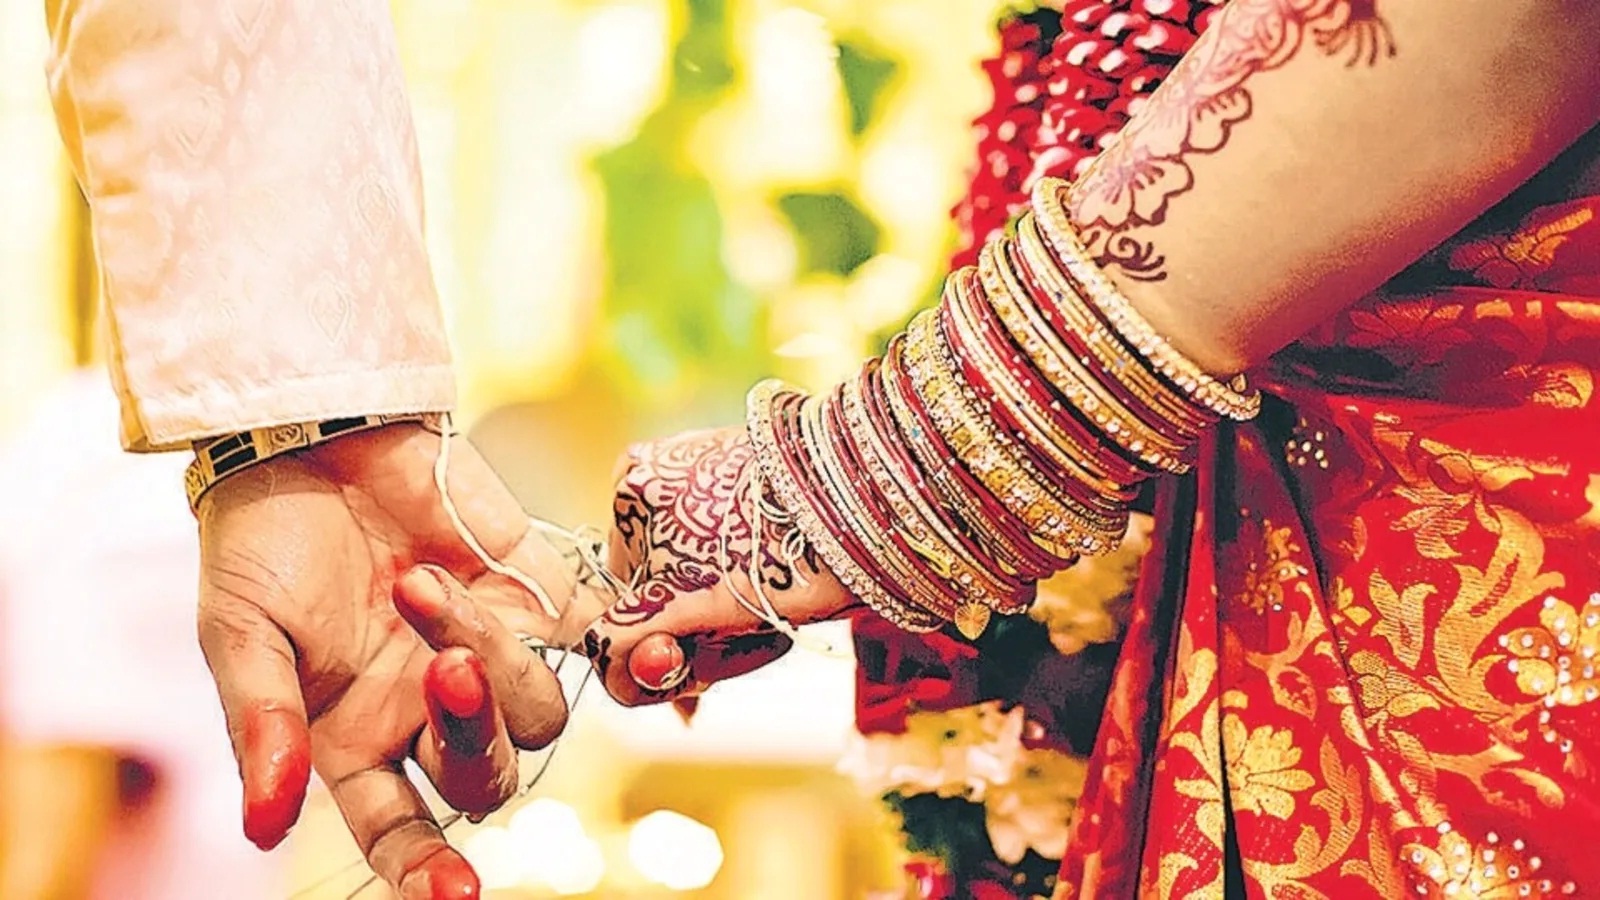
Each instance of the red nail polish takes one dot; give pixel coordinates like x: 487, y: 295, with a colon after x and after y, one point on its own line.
x: 459, y: 709
x: 657, y: 662
x: 451, y: 878
x: 277, y: 769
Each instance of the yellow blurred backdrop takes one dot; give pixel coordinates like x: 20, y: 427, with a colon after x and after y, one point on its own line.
x: 635, y: 207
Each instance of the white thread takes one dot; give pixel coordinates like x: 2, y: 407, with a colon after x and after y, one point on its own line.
x: 441, y: 467
x: 749, y: 488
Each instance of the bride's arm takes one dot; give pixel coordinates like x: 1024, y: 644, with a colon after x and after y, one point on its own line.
x: 1305, y: 151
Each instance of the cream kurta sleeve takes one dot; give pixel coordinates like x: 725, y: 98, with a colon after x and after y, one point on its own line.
x: 251, y: 171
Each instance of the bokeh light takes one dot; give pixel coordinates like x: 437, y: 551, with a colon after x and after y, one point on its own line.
x: 675, y: 851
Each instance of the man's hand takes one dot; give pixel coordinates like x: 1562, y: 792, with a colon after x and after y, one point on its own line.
x: 322, y: 637
x: 685, y: 539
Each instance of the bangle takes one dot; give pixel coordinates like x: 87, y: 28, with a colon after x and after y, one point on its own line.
x: 955, y: 485
x: 768, y: 402
x: 947, y: 556
x: 1233, y: 400
x: 872, y: 531
x: 1068, y: 374
x: 950, y: 497
x: 1016, y: 401
x: 991, y: 454
x: 1070, y: 315
x: 218, y: 458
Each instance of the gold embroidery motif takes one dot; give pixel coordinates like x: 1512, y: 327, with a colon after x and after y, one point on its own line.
x: 1264, y: 581
x: 1263, y: 768
x: 1516, y: 259
x: 1456, y: 866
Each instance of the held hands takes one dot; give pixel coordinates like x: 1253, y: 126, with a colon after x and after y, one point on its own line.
x: 349, y: 627
x: 688, y: 538
x: 317, y: 622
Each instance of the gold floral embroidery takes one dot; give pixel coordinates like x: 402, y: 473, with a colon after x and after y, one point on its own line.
x: 1515, y: 260
x: 1264, y: 580
x: 1263, y: 773
x: 1555, y: 660
x: 1456, y: 866
x: 1400, y: 616
x: 1345, y: 607
x: 1558, y: 385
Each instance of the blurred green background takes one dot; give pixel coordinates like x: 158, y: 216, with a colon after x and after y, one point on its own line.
x: 636, y: 208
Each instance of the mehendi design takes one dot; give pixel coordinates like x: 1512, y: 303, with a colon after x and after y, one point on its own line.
x: 1130, y: 187
x: 681, y: 513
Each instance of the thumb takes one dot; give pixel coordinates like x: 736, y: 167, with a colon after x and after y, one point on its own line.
x: 254, y: 666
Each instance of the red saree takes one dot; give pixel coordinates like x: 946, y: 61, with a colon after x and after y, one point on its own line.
x: 1363, y: 659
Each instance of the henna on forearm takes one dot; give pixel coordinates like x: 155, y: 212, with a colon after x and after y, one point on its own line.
x: 1306, y: 151
x: 1126, y: 192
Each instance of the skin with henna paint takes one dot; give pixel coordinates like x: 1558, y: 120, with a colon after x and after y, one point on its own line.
x: 1285, y: 170
x: 1130, y: 186
x: 684, y: 540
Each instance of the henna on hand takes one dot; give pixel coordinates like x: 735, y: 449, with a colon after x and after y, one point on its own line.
x: 682, y: 513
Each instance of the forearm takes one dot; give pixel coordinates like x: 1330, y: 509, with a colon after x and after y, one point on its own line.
x: 1307, y: 150
x: 256, y: 204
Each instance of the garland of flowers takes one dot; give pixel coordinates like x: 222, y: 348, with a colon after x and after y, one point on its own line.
x: 981, y: 748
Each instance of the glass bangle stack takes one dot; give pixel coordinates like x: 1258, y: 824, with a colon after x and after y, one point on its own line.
x: 998, y: 439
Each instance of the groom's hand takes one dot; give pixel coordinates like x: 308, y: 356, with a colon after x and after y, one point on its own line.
x: 686, y: 541
x: 317, y: 668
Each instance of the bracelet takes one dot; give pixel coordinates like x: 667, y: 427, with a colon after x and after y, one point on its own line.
x: 1069, y: 375
x: 950, y: 497
x: 218, y: 458
x: 1232, y: 401
x: 1072, y: 316
x: 959, y: 490
x: 769, y: 401
x: 990, y: 454
x: 1017, y: 403
x: 920, y: 529
x: 872, y: 530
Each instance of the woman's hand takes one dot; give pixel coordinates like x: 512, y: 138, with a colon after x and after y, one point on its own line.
x: 321, y: 649
x: 685, y: 541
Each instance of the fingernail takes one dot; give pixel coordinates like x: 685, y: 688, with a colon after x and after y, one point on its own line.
x: 276, y: 772
x: 458, y: 682
x: 428, y: 598
x: 658, y: 663
x: 444, y: 877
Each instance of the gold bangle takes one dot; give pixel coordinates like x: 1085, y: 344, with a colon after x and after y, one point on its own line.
x: 1068, y: 373
x: 936, y: 467
x: 920, y: 526
x: 219, y: 458
x: 1064, y: 451
x: 1233, y: 400
x: 761, y: 408
x: 914, y: 589
x: 992, y: 457
x: 1185, y: 417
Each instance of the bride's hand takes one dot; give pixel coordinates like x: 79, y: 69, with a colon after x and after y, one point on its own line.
x: 684, y: 540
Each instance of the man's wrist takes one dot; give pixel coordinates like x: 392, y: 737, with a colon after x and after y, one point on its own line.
x: 218, y: 458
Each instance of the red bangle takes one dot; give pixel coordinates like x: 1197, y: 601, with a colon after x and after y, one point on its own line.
x: 1023, y: 558
x: 937, y: 456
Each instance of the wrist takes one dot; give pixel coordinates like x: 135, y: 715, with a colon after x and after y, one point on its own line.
x: 217, y: 459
